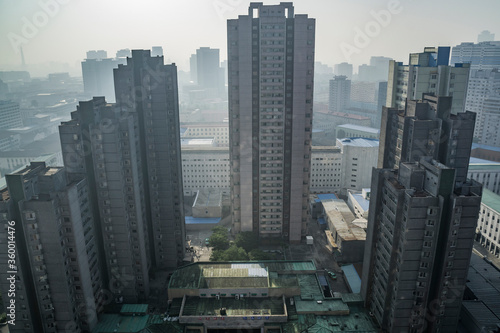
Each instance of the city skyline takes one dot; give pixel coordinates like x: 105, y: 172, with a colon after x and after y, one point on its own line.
x: 338, y: 35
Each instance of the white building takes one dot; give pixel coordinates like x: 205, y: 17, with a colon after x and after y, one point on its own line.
x: 359, y: 156
x: 326, y: 169
x: 486, y: 173
x: 218, y: 131
x: 483, y: 85
x: 488, y: 224
x: 483, y: 55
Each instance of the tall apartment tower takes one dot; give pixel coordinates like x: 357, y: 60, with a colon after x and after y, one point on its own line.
x: 97, y: 72
x: 343, y: 69
x: 148, y: 88
x: 101, y: 143
x: 427, y: 72
x: 270, y: 66
x: 58, y: 285
x: 339, y: 94
x: 423, y: 215
x: 482, y: 55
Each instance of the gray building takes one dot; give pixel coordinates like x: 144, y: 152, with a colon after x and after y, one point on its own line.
x: 427, y: 72
x: 10, y: 115
x: 58, y: 284
x: 339, y: 94
x: 101, y: 144
x: 343, y: 68
x: 98, y: 76
x: 270, y: 66
x: 148, y: 88
x: 423, y: 215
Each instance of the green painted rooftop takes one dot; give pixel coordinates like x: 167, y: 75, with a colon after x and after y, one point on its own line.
x: 109, y: 323
x: 491, y: 200
x: 237, y: 274
x: 489, y: 166
x: 134, y: 308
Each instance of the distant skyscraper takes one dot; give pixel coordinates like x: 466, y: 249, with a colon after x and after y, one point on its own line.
x: 340, y: 93
x: 123, y: 53
x: 98, y: 76
x: 113, y: 169
x: 58, y: 280
x: 270, y: 66
x: 485, y: 55
x: 423, y: 215
x: 149, y: 88
x: 156, y: 51
x: 485, y: 36
x: 483, y: 84
x: 491, y: 121
x: 193, y: 68
x: 343, y: 69
x: 99, y: 54
x: 381, y: 65
x: 10, y: 115
x: 427, y: 72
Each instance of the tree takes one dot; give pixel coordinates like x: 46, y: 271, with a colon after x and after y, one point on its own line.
x: 219, y: 230
x: 219, y: 241
x: 235, y: 253
x: 247, y: 240
x: 216, y: 255
x: 258, y: 255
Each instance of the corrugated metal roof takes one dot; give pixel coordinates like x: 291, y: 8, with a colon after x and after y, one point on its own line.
x: 484, y: 281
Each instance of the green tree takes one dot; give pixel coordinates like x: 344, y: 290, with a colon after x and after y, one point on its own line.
x: 219, y: 230
x: 258, y: 255
x: 235, y: 253
x: 216, y: 255
x: 219, y: 241
x: 247, y: 240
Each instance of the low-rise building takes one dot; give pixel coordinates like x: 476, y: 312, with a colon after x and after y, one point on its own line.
x: 357, y: 131
x: 271, y: 296
x: 488, y: 224
x: 485, y: 172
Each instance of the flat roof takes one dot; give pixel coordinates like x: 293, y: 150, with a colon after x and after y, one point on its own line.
x: 475, y: 160
x: 327, y: 196
x: 483, y: 280
x: 490, y: 199
x: 110, y: 323
x: 202, y: 220
x: 360, y: 128
x: 359, y: 142
x: 199, y: 306
x: 486, y: 147
x: 197, y: 141
x: 341, y: 220
x: 208, y: 198
x: 233, y: 274
x: 352, y: 278
x: 365, y: 204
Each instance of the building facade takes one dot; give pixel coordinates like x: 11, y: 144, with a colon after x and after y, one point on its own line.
x: 483, y: 55
x: 427, y: 72
x: 10, y: 115
x: 98, y: 76
x: 270, y: 66
x: 423, y: 215
x: 339, y: 94
x: 148, y: 88
x: 488, y: 224
x: 100, y: 144
x: 57, y: 275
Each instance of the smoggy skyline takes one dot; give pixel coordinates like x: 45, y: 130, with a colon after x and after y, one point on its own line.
x: 62, y: 31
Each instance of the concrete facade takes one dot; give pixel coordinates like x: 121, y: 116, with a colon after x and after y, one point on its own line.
x: 154, y: 99
x: 423, y: 213
x: 218, y: 131
x: 339, y: 93
x: 10, y: 115
x: 427, y: 72
x: 101, y: 144
x: 482, y: 55
x: 55, y: 253
x: 270, y: 66
x: 488, y: 224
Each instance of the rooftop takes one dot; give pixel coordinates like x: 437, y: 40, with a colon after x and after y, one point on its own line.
x: 359, y: 142
x: 486, y: 147
x: 365, y: 204
x: 209, y: 197
x: 197, y: 141
x: 360, y: 128
x: 341, y: 218
x: 202, y: 220
x: 491, y: 200
x: 197, y: 306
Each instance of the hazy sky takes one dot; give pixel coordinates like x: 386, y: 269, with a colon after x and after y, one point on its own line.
x: 63, y: 30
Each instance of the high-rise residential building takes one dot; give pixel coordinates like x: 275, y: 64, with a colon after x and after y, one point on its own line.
x: 57, y: 278
x: 485, y: 36
x: 101, y: 144
x: 271, y: 69
x: 483, y: 55
x: 148, y: 88
x: 483, y: 85
x: 123, y: 53
x: 99, y: 54
x: 10, y: 115
x: 98, y: 76
x: 427, y: 72
x: 423, y: 215
x: 381, y: 65
x: 340, y: 93
x: 491, y: 121
x: 343, y: 68
x: 193, y: 68
x: 208, y: 67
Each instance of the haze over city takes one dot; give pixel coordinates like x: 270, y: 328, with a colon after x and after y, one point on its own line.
x: 65, y: 30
